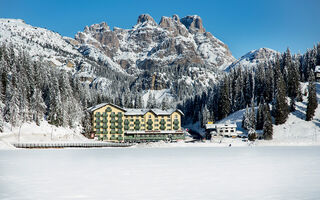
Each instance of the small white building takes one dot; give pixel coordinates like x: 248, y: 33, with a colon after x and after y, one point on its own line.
x: 317, y: 73
x: 226, y: 130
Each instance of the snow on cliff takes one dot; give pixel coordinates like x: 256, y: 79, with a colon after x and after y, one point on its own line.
x: 254, y: 58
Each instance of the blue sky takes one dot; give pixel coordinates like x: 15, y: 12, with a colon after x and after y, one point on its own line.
x: 242, y: 25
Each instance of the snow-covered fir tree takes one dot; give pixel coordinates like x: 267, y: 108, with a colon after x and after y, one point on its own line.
x: 267, y: 125
x: 312, y: 97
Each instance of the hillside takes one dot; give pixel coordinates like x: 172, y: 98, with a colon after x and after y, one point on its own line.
x: 295, y: 131
x: 175, y: 55
x: 254, y: 58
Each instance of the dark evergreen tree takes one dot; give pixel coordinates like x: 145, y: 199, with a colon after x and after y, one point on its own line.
x: 224, y: 100
x: 260, y: 117
x: 246, y: 122
x: 312, y: 97
x: 280, y: 106
x: 267, y: 125
x: 292, y: 104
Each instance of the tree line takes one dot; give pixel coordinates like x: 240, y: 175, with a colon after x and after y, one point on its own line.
x: 270, y: 83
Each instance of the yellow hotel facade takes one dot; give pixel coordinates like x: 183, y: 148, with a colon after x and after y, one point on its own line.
x: 116, y: 124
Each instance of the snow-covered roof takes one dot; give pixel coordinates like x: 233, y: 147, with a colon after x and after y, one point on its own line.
x: 317, y: 69
x: 226, y: 126
x: 136, y: 111
x: 93, y: 108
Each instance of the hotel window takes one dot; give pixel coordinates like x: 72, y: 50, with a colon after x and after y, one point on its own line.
x: 226, y: 131
x: 131, y: 125
x: 157, y: 120
x: 168, y: 124
x: 142, y: 120
x: 149, y: 116
x: 142, y: 124
x: 169, y: 120
x: 176, y: 116
x: 232, y: 131
x: 221, y: 131
x: 131, y: 120
x: 156, y: 124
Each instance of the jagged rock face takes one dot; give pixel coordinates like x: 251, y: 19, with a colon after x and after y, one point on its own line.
x: 193, y: 23
x: 149, y: 45
x: 253, y: 58
x: 101, y: 37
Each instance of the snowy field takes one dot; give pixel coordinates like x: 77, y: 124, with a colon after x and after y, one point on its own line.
x: 162, y: 173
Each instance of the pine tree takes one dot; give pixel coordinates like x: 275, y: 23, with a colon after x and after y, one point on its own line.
x: 267, y: 125
x: 246, y: 122
x: 260, y: 117
x: 252, y: 135
x: 252, y: 116
x: 292, y: 104
x: 280, y: 105
x: 1, y: 118
x: 164, y: 103
x: 312, y: 97
x: 224, y: 100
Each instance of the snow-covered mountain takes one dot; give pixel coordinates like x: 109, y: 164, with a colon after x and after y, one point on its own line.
x: 254, y: 58
x: 150, y: 45
x: 177, y: 55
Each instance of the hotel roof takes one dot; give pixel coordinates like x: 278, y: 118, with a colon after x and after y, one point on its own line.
x: 136, y: 111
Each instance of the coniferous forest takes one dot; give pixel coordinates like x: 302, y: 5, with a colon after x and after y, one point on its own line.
x: 32, y: 91
x: 275, y: 83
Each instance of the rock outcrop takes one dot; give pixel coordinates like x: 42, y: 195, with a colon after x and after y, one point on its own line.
x: 149, y: 45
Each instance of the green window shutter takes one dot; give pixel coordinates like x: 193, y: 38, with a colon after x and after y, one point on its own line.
x: 162, y: 127
x: 150, y: 122
x: 149, y: 127
x: 113, y: 115
x: 126, y: 122
x: 137, y: 127
x: 112, y: 126
x: 97, y: 114
x: 126, y: 127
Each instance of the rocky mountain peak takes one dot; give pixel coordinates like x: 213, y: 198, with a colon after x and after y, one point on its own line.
x: 152, y: 46
x: 175, y: 17
x: 174, y: 25
x: 193, y: 24
x: 253, y: 58
x: 97, y: 28
x: 145, y: 18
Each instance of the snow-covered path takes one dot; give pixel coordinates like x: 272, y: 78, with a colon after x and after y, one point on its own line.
x: 162, y: 173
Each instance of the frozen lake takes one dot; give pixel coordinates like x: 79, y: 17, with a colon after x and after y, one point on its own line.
x: 162, y: 173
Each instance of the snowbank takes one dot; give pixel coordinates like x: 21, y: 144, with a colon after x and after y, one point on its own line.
x: 30, y: 132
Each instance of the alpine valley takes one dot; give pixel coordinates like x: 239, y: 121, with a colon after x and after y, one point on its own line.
x: 173, y: 63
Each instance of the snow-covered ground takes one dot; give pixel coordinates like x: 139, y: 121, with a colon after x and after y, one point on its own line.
x: 264, y: 173
x: 296, y: 131
x: 30, y: 132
